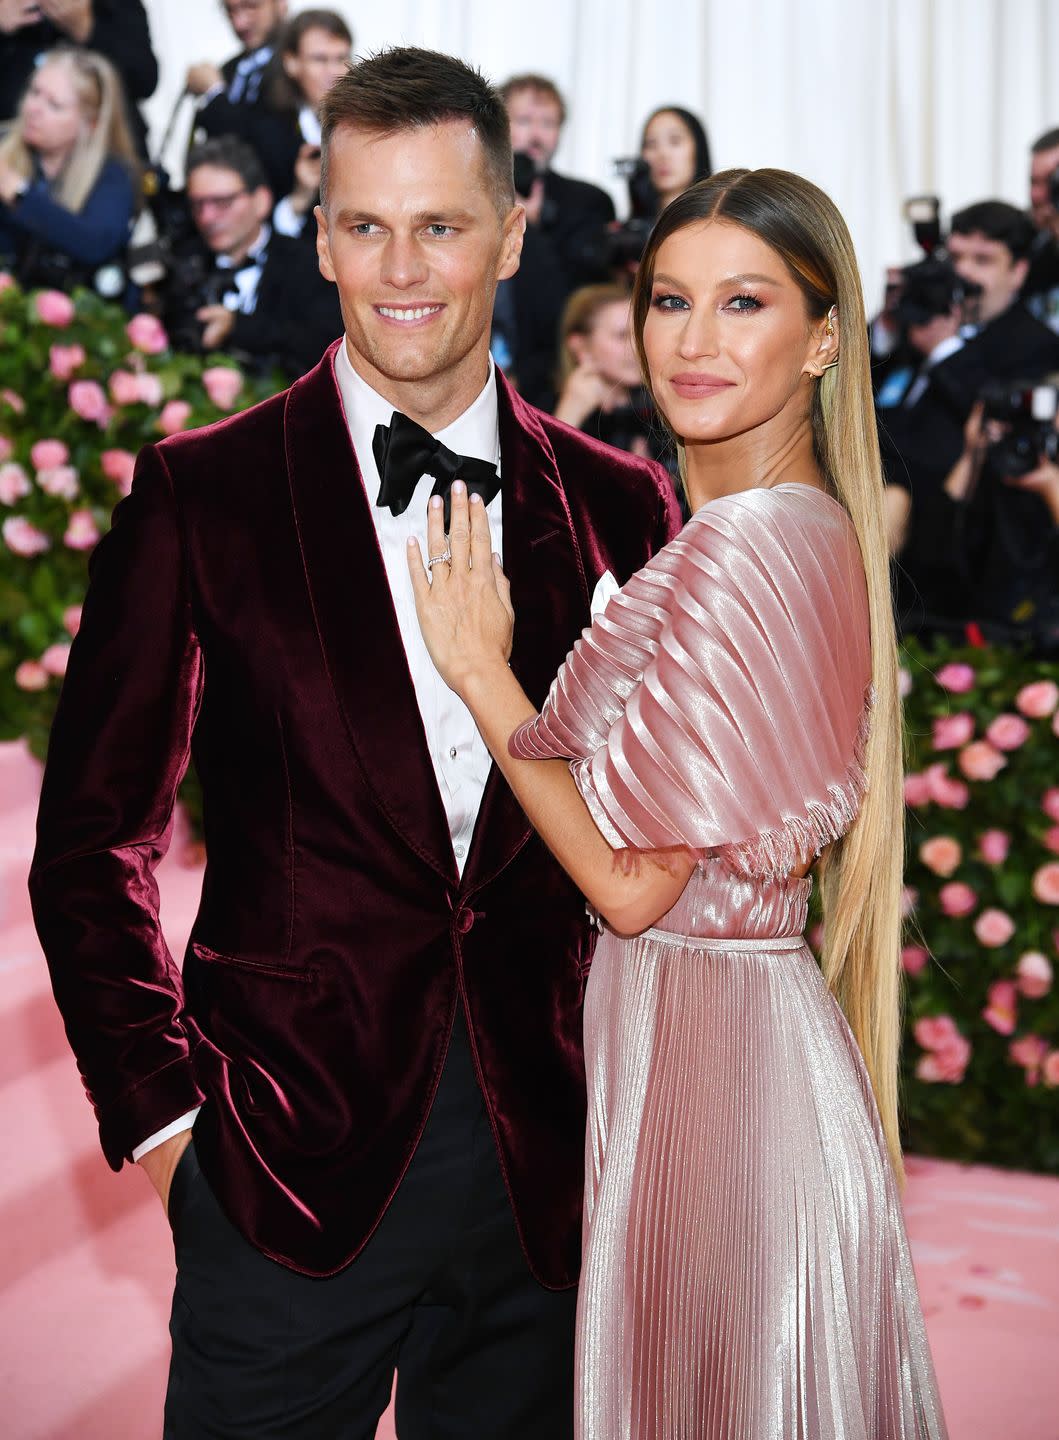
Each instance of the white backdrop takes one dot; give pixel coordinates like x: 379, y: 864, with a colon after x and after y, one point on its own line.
x: 872, y: 99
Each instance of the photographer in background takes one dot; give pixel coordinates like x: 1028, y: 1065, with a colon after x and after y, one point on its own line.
x: 115, y: 29
x: 237, y: 286
x: 1041, y: 290
x: 227, y: 94
x: 564, y: 247
x: 69, y: 178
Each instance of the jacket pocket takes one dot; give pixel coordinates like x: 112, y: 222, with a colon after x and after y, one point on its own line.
x: 254, y: 967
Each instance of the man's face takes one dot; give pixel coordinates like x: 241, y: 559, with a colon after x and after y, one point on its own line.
x: 255, y: 20
x: 414, y: 241
x: 227, y: 215
x: 535, y: 125
x: 1042, y: 168
x: 319, y: 61
x: 988, y: 263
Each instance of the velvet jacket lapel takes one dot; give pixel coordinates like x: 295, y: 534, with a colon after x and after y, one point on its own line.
x: 355, y: 618
x: 550, y: 596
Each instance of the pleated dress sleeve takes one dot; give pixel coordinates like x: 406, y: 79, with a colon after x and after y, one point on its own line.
x: 720, y: 702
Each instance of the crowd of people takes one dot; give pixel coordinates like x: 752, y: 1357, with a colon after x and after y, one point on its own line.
x: 965, y: 351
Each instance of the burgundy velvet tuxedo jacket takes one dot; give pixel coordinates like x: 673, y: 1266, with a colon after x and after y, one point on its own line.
x: 239, y: 611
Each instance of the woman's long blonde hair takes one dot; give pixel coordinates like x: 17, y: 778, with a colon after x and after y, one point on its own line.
x: 579, y: 316
x: 861, y: 874
x: 101, y: 101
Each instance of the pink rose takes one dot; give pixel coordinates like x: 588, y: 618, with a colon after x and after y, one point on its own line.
x: 950, y: 794
x: 14, y: 484
x: 1034, y: 972
x: 952, y: 731
x: 1055, y: 723
x: 1050, y: 1069
x: 957, y: 678
x: 46, y: 454
x: 934, y: 1032
x: 31, y: 675
x: 909, y: 900
x: 14, y: 400
x: 904, y: 683
x: 1045, y: 882
x: 1038, y: 699
x: 7, y: 449
x: 54, y: 308
x: 72, y: 619
x: 118, y: 466
x: 22, y: 538
x: 1029, y: 1051
x: 60, y: 482
x: 54, y: 659
x: 222, y: 384
x: 1051, y: 837
x: 914, y: 959
x: 89, y: 400
x: 993, y: 846
x: 1008, y: 732
x: 63, y: 360
x: 147, y: 333
x: 941, y: 854
x: 82, y: 532
x: 7, y: 281
x: 1050, y: 803
x: 124, y: 387
x: 994, y: 928
x: 957, y: 899
x: 174, y: 417
x: 947, y: 1066
x: 980, y: 761
x: 917, y: 790
x: 150, y: 389
x: 1001, y: 1011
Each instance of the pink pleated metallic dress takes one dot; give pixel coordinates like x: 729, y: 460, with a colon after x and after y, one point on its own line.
x: 746, y: 1271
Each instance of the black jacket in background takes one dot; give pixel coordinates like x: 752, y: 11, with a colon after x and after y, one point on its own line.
x: 560, y: 254
x: 272, y: 134
x: 120, y: 32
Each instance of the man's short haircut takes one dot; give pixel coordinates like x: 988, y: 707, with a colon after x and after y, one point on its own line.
x: 405, y: 88
x: 1048, y: 141
x: 540, y: 85
x: 997, y: 220
x: 227, y: 152
x: 283, y: 93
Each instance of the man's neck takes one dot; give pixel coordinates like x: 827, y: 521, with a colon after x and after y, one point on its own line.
x: 436, y: 401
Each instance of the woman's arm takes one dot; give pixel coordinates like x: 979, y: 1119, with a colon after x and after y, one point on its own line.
x: 465, y: 612
x: 93, y: 234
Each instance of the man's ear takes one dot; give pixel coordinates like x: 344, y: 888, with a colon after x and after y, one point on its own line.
x: 1019, y: 271
x: 323, y: 245
x: 511, y: 248
x: 262, y: 202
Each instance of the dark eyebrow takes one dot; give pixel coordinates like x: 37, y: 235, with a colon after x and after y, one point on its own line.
x: 350, y: 216
x: 723, y: 284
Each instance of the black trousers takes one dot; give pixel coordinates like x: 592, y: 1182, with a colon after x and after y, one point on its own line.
x: 441, y: 1293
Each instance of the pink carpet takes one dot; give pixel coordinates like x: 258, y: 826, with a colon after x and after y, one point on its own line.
x: 86, y: 1260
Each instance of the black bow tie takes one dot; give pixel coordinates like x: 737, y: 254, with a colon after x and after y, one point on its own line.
x: 405, y: 452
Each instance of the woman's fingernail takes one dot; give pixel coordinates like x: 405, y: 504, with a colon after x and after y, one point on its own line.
x: 436, y: 502
x: 412, y: 545
x: 476, y: 499
x: 458, y: 487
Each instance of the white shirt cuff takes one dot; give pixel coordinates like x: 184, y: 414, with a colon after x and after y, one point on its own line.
x: 183, y: 1122
x: 286, y: 220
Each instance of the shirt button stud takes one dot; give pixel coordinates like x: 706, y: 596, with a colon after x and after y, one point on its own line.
x: 461, y: 851
x: 452, y: 753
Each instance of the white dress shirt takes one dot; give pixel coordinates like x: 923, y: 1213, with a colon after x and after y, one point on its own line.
x: 458, y: 753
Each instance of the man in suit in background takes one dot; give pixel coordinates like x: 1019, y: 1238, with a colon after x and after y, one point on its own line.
x: 376, y: 1033
x: 566, y: 221
x: 226, y: 92
x: 237, y: 285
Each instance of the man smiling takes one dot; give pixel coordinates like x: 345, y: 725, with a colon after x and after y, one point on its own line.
x: 377, y: 1030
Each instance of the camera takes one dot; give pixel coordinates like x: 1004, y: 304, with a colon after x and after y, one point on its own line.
x: 192, y: 282
x: 1027, y: 410
x: 627, y: 242
x: 930, y: 288
x: 923, y: 213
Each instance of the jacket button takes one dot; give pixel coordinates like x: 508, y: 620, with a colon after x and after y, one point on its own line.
x: 464, y: 921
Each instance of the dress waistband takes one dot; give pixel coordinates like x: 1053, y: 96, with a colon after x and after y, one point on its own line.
x: 725, y: 943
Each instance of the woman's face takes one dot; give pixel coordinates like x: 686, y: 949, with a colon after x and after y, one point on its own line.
x: 51, y: 111
x: 608, y: 346
x: 669, y: 149
x: 727, y: 337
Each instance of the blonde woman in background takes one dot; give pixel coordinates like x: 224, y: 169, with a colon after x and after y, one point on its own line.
x: 729, y: 724
x: 69, y: 176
